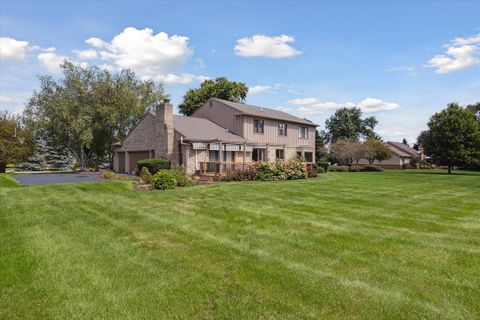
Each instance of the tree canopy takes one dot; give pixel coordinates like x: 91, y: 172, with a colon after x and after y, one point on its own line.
x: 347, y: 123
x: 16, y: 142
x: 90, y: 109
x: 220, y: 88
x: 453, y: 137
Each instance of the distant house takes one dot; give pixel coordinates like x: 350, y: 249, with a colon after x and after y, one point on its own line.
x: 220, y: 136
x: 401, y: 155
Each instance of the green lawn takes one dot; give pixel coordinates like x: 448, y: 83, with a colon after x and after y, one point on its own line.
x: 391, y: 245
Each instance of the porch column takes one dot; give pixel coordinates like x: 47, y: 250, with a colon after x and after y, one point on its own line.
x: 303, y: 155
x: 127, y: 162
x: 284, y: 154
x: 220, y: 157
x: 244, y: 154
x: 150, y: 154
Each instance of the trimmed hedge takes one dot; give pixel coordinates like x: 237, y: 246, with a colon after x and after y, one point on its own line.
x: 154, y: 165
x: 338, y: 169
x: 355, y: 169
x: 371, y: 167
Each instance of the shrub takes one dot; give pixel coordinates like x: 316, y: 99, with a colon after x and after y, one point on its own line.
x: 164, y: 180
x: 338, y: 169
x: 279, y: 170
x: 324, y: 165
x: 354, y: 169
x: 371, y: 167
x: 145, y: 175
x: 154, y: 165
x: 311, y: 170
x: 320, y: 170
x: 108, y: 175
x: 239, y: 175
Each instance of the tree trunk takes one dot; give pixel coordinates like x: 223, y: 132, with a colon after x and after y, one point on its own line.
x: 3, y: 167
x: 83, y: 160
x: 449, y: 169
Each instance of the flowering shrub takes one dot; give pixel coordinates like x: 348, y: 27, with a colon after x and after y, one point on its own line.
x: 239, y: 175
x: 279, y: 170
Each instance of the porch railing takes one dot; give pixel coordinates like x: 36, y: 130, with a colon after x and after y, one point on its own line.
x: 217, y: 167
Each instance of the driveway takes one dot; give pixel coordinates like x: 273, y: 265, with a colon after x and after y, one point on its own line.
x: 52, y: 178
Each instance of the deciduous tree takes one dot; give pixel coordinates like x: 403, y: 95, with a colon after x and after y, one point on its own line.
x: 15, y: 140
x: 376, y: 150
x: 220, y: 88
x: 453, y: 137
x: 347, y: 123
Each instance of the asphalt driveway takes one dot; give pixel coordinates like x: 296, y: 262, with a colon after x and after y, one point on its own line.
x: 52, y: 178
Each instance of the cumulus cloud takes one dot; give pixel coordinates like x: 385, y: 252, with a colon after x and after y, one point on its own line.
x: 460, y: 53
x: 368, y: 105
x: 144, y: 52
x: 184, y: 78
x: 4, y: 99
x: 11, y: 49
x: 259, y: 89
x: 86, y: 54
x: 51, y: 61
x: 266, y: 46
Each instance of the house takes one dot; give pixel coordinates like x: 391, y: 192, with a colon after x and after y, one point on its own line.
x: 401, y: 155
x: 220, y: 136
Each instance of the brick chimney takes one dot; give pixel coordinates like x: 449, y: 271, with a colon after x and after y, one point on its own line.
x: 164, y: 134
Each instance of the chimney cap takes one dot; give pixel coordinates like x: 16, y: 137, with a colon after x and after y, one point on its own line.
x: 166, y: 100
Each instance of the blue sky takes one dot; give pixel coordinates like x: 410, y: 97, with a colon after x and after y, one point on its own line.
x: 400, y: 61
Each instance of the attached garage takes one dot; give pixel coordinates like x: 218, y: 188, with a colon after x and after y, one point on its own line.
x: 121, y: 162
x: 136, y: 156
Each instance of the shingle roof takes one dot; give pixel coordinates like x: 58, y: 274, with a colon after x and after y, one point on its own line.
x: 402, y: 150
x: 200, y: 129
x: 261, y: 112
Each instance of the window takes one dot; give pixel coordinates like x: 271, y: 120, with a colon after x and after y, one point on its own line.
x: 282, y: 129
x: 258, y: 154
x: 279, y: 154
x: 308, y: 156
x: 303, y: 132
x: 257, y: 126
x: 213, y: 155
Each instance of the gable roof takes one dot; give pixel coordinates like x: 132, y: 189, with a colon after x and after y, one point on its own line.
x: 402, y: 150
x: 250, y: 110
x: 200, y: 129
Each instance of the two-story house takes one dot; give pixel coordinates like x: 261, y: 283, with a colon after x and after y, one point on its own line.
x: 220, y: 136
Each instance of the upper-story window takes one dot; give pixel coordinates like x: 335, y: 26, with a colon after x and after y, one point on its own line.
x: 282, y: 129
x: 303, y: 132
x: 258, y: 126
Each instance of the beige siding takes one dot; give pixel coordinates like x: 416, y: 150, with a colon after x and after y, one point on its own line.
x: 221, y: 114
x: 271, y: 136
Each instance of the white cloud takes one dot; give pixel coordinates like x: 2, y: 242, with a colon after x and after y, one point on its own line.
x: 302, y: 101
x: 86, y: 54
x: 368, y: 105
x: 266, y: 46
x: 259, y: 89
x: 411, y: 71
x: 184, y: 78
x: 145, y: 53
x: 460, y: 53
x: 51, y: 61
x: 12, y: 49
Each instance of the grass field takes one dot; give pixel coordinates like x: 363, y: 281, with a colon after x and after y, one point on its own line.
x: 391, y: 245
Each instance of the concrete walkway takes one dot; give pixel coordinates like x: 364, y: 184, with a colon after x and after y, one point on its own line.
x: 53, y: 178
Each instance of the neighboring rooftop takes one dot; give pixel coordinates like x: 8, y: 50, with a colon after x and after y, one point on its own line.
x: 246, y: 109
x: 403, y: 150
x: 200, y: 129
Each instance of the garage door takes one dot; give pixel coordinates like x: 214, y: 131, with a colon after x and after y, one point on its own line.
x: 136, y: 156
x: 121, y: 162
